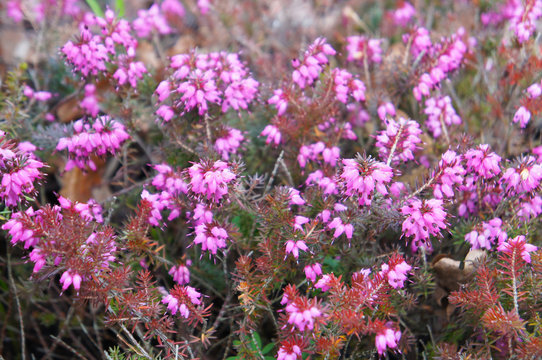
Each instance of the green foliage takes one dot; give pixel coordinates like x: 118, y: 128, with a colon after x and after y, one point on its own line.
x: 251, y: 348
x: 95, y: 7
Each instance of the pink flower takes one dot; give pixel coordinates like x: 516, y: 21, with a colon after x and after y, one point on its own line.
x: 361, y: 176
x: 90, y: 101
x: 485, y: 234
x: 403, y: 14
x: 534, y: 91
x: 340, y: 228
x: 386, y: 109
x: 525, y: 177
x: 449, y: 173
x: 68, y: 278
x: 273, y: 134
x: 289, y: 352
x: 293, y: 247
x: 229, y: 142
x: 323, y: 283
x: 182, y: 299
x: 295, y: 197
x: 345, y: 85
x: 210, y: 179
x: 150, y: 20
x: 522, y: 116
x: 211, y: 237
x: 423, y: 219
x: 280, y: 100
x: 302, y: 313
x: 313, y: 271
x: 173, y: 7
x: 440, y: 112
x: 387, y: 339
x: 518, y: 244
x: 483, y: 162
x: 103, y: 136
x: 14, y: 10
x: 396, y: 271
x: 181, y: 274
x: 309, y: 68
x: 359, y: 47
x: 402, y: 136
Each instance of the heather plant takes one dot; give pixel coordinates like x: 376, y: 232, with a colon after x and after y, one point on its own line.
x: 271, y: 180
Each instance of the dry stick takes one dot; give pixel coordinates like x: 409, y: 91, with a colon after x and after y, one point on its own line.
x: 208, y: 131
x: 288, y: 175
x: 60, y: 341
x: 274, y: 173
x: 134, y: 341
x: 14, y: 289
x: 62, y: 330
x: 394, y: 147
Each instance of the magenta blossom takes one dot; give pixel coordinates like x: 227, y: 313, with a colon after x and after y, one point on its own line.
x: 362, y: 176
x: 423, y: 218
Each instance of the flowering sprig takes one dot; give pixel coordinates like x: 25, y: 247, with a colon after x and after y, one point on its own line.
x: 201, y: 80
x: 423, y: 218
x: 362, y: 176
x: 399, y: 141
x: 97, y: 138
x: 18, y: 172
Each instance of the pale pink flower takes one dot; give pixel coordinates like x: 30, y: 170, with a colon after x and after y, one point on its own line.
x: 387, y: 339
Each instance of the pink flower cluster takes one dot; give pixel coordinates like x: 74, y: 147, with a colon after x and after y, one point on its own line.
x: 39, y: 230
x: 70, y: 277
x: 182, y: 299
x: 423, y: 218
x: 361, y: 176
x: 210, y: 180
x: 273, y: 134
x: 399, y: 140
x: 302, y: 312
x: 347, y: 85
x: 328, y: 184
x: 483, y: 162
x: 18, y: 172
x: 450, y: 54
x: 39, y: 11
x: 387, y: 338
x: 90, y: 211
x: 149, y: 21
x: 524, y: 18
x: 404, y: 13
x: 200, y: 80
x: 19, y: 230
x: 289, y: 351
x: 360, y: 48
x: 181, y: 273
x: 520, y: 245
x: 103, y: 136
x: 318, y: 151
x: 279, y: 100
x: 90, y: 102
x: 313, y: 271
x: 308, y: 69
x: 211, y: 237
x: 420, y: 41
x: 440, y: 113
x: 483, y: 235
x: 228, y: 143
x: 37, y: 95
x: 396, y: 271
x: 113, y: 45
x: 450, y: 172
x: 525, y: 177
